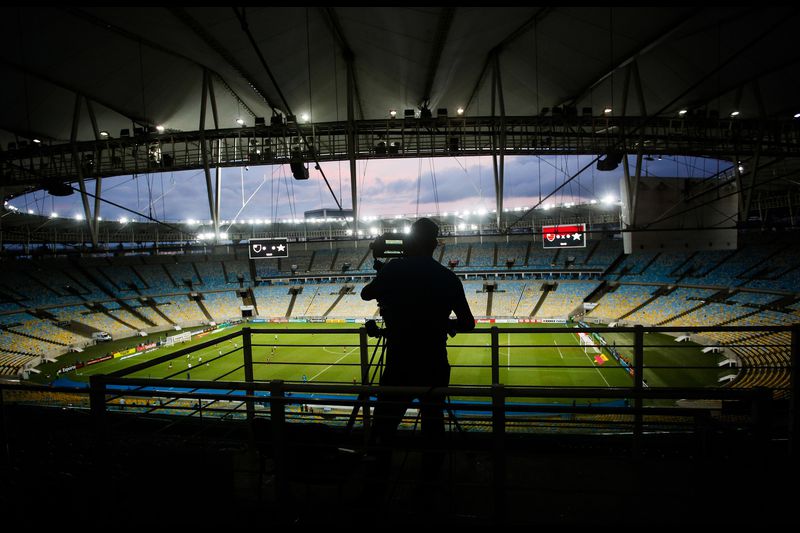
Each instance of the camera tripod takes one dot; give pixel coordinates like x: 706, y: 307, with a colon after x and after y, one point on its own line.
x: 363, y: 398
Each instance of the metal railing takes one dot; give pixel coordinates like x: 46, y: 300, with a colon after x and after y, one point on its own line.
x: 491, y: 412
x: 635, y: 364
x: 440, y: 137
x: 639, y: 401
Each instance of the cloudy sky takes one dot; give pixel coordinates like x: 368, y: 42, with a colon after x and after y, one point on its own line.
x: 385, y: 187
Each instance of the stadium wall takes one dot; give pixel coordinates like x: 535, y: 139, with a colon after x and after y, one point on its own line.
x: 675, y: 205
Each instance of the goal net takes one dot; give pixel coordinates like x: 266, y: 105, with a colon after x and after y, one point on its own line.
x: 588, y: 343
x: 175, y: 339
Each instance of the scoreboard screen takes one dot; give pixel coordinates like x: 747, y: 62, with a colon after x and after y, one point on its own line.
x: 564, y: 236
x: 268, y: 248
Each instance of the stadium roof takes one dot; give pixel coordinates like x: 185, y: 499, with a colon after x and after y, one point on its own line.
x: 145, y: 65
x: 70, y: 73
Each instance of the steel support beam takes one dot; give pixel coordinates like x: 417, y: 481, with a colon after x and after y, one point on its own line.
x: 98, y: 183
x: 204, y: 154
x: 93, y: 119
x: 442, y: 29
x: 207, y: 37
x: 77, y: 162
x: 67, y: 87
x: 220, y: 144
x: 498, y: 141
x: 632, y: 182
x: 312, y: 152
x: 654, y: 43
x: 526, y: 26
x: 347, y: 52
x: 136, y: 38
x: 351, y: 143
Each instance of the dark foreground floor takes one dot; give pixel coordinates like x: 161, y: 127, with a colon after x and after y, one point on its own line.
x: 59, y: 469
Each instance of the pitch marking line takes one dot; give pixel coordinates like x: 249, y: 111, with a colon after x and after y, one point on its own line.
x: 508, y: 353
x: 559, y: 349
x: 591, y: 361
x: 331, y: 365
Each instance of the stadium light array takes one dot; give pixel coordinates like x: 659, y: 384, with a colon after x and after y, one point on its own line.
x: 208, y: 236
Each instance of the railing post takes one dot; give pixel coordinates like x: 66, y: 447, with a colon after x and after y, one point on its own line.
x: 495, y: 356
x: 762, y: 417
x: 364, y: 351
x: 277, y: 408
x: 499, y: 456
x: 794, y: 389
x: 97, y: 400
x: 5, y: 439
x: 247, y: 355
x: 638, y: 385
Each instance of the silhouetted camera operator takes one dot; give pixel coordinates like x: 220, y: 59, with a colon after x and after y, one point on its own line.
x: 416, y: 295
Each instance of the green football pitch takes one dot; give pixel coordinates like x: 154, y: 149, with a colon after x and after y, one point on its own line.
x: 526, y: 358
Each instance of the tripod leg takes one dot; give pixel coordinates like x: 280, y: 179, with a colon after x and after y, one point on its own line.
x: 362, y: 400
x: 451, y: 414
